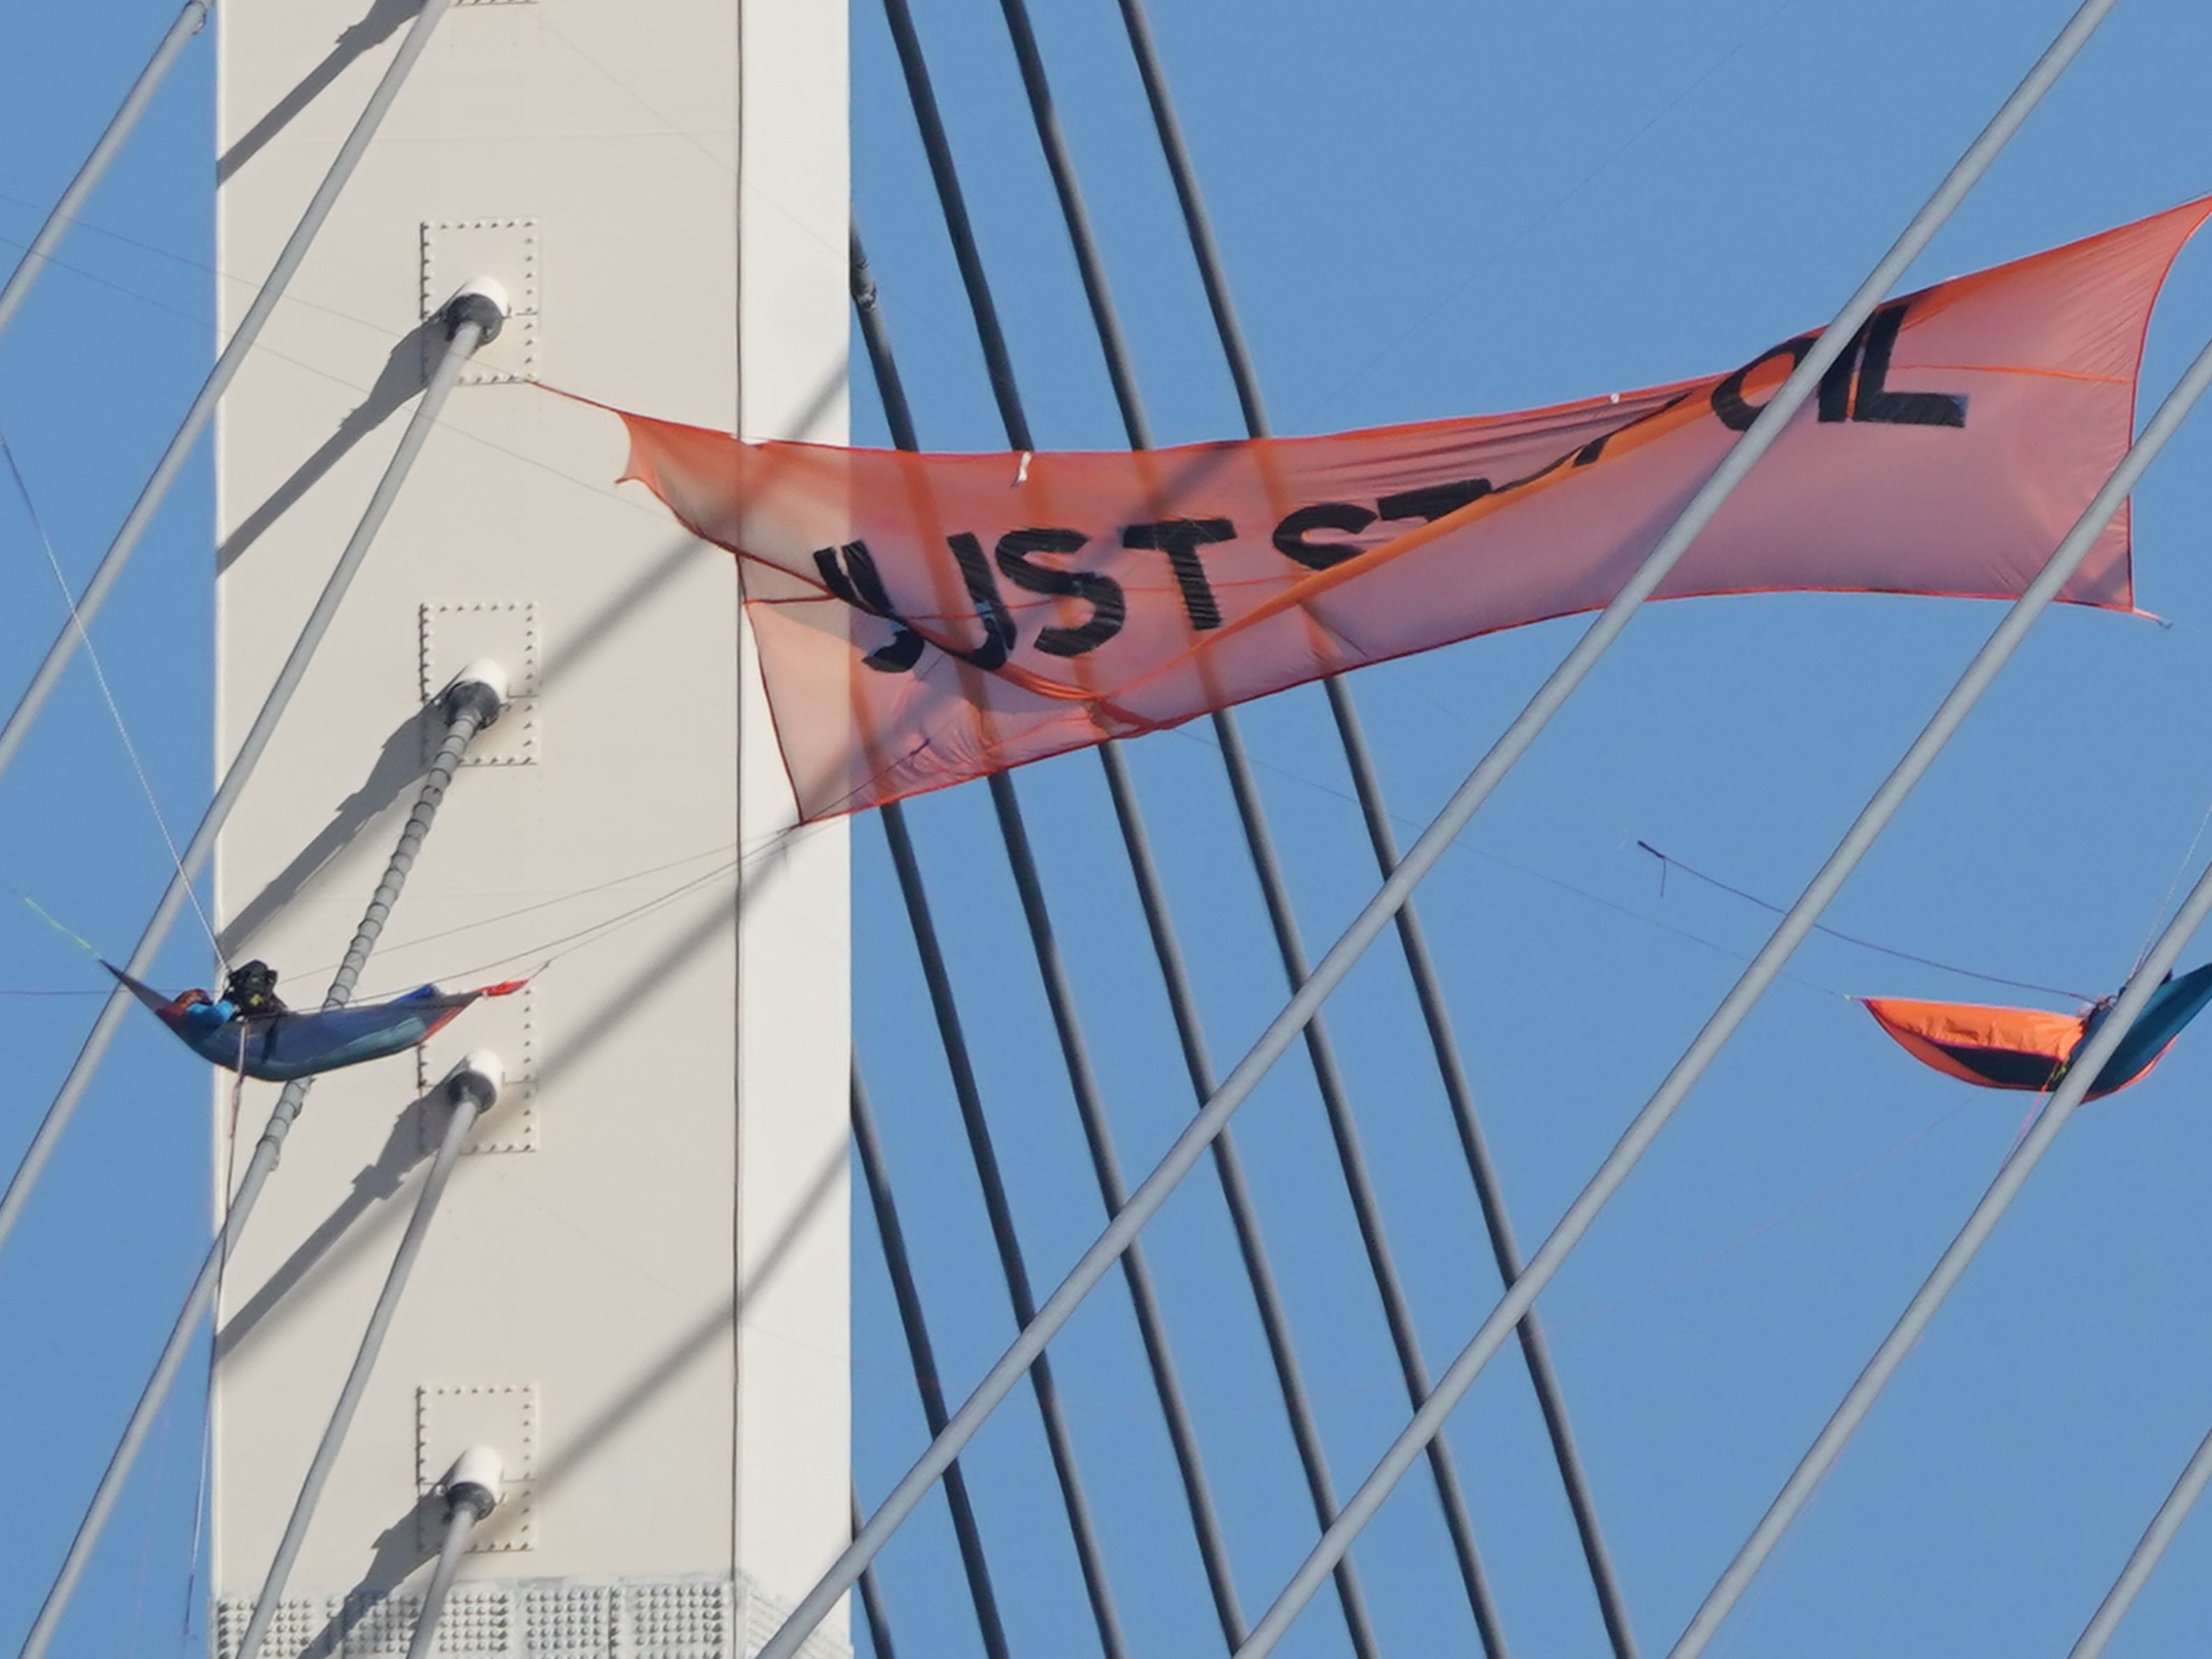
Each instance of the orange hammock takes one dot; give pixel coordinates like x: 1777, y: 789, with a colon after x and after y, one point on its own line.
x: 2031, y: 1048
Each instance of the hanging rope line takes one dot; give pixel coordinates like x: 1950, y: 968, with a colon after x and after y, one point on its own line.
x: 548, y: 952
x: 107, y: 691
x: 466, y: 715
x: 2173, y: 886
x: 1470, y: 850
x: 469, y: 321
x: 186, y: 437
x: 1667, y: 860
x: 545, y: 951
x: 205, y: 1489
x: 2082, y: 1071
x: 67, y: 932
x: 1420, y: 860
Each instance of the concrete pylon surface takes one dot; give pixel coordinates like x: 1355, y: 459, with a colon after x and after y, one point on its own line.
x: 636, y: 1291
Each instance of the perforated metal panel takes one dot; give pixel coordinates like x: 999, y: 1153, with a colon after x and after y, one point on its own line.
x: 694, y: 1617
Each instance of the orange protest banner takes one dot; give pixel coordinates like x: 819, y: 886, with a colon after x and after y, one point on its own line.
x: 926, y: 619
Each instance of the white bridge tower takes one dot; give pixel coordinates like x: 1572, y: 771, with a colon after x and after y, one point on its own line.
x: 635, y: 1292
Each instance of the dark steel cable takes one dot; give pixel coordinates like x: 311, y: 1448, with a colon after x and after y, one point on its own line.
x: 872, y: 1602
x: 1228, y: 1168
x: 953, y: 201
x: 1367, y: 1212
x: 1213, y: 1545
x: 1305, y: 1432
x: 1420, y: 859
x: 1011, y: 1260
x: 1536, y: 1349
x: 1367, y: 784
x: 1114, y: 1191
x: 1197, y: 224
x: 1251, y: 813
x: 1038, y: 91
x: 922, y: 1353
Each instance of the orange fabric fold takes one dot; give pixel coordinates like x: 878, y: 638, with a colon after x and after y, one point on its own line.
x: 925, y: 619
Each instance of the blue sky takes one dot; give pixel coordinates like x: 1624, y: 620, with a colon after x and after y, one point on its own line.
x: 1426, y: 209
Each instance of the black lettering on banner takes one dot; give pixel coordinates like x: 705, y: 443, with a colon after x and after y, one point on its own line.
x: 1865, y: 360
x: 1875, y: 402
x: 849, y: 572
x: 1432, y: 502
x: 1728, y: 396
x: 1291, y: 535
x: 999, y: 634
x: 1180, y: 540
x: 1835, y: 395
x: 1102, y: 593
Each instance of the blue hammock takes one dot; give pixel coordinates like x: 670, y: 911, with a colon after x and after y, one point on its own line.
x: 277, y: 1047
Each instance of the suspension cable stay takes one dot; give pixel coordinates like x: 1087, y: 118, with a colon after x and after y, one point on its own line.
x: 569, y: 1340
x: 471, y: 1490
x: 472, y: 1090
x: 1259, y: 846
x: 188, y: 21
x: 875, y: 1173
x: 1367, y: 787
x: 469, y: 705
x: 2149, y: 1551
x: 242, y: 341
x: 1980, y: 674
x: 1419, y: 858
x: 470, y: 320
x: 2082, y: 1068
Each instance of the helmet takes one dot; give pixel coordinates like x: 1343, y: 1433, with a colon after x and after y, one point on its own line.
x: 251, y: 989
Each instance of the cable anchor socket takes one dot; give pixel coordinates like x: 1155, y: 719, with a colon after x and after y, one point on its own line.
x: 473, y: 1482
x: 483, y: 301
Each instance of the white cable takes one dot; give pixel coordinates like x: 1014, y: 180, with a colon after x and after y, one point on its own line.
x: 107, y: 693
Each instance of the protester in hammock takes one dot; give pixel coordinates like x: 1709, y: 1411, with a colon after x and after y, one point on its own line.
x: 2031, y: 1048
x: 250, y: 1029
